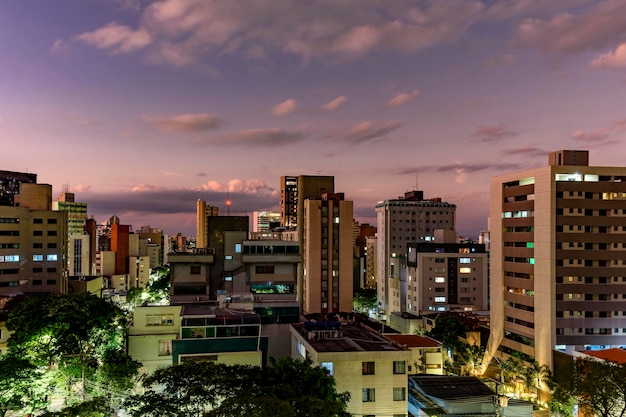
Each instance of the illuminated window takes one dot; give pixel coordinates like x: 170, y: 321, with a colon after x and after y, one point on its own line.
x: 399, y: 393
x: 51, y: 257
x: 440, y: 299
x: 369, y: 395
x: 37, y: 257
x: 330, y: 366
x: 465, y: 260
x: 165, y: 347
x: 465, y: 270
x: 237, y: 247
x: 440, y: 280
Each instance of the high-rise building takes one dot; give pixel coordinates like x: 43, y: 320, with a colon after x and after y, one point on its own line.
x: 203, y: 210
x: 76, y: 217
x: 10, y: 185
x: 293, y: 192
x: 327, y: 254
x: 398, y: 222
x: 32, y: 243
x: 558, y: 258
x: 265, y: 221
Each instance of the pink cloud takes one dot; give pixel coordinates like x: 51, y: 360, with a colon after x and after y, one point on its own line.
x: 615, y: 59
x: 591, y: 137
x: 285, y: 108
x: 334, y: 104
x: 116, y: 37
x: 402, y: 98
x: 492, y: 133
x: 184, y: 123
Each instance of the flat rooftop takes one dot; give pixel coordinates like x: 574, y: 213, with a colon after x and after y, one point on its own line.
x: 413, y: 340
x: 350, y: 337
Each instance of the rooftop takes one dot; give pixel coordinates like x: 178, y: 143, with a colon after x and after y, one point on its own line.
x: 451, y: 387
x: 413, y: 340
x: 615, y: 355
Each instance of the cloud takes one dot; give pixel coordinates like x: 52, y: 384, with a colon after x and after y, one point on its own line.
x: 531, y: 151
x: 117, y: 38
x: 184, y: 123
x: 590, y: 137
x: 461, y: 175
x: 367, y: 131
x: 461, y: 169
x: 501, y: 60
x: 601, y: 26
x: 182, y: 32
x: 59, y: 47
x: 492, y: 133
x: 401, y: 98
x: 81, y: 188
x: 615, y: 59
x: 284, y: 108
x: 256, y: 137
x: 620, y: 125
x: 334, y: 104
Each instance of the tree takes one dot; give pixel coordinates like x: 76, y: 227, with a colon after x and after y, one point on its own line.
x: 535, y: 375
x: 69, y: 334
x: 364, y: 301
x: 599, y: 387
x: 287, y: 388
x: 470, y: 357
x: 448, y: 328
x: 21, y: 386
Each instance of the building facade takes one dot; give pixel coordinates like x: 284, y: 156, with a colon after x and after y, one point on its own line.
x: 558, y: 258
x: 328, y: 249
x: 399, y: 222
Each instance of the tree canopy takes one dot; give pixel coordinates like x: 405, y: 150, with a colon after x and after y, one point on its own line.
x: 287, y: 388
x: 599, y: 387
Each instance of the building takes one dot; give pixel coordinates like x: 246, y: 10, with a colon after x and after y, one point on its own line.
x: 76, y: 211
x: 265, y: 221
x: 443, y: 395
x: 202, y: 212
x: 446, y: 276
x: 426, y: 353
x: 558, y: 258
x: 328, y: 249
x: 190, y: 273
x: 398, y: 222
x: 371, y: 367
x: 32, y: 243
x: 10, y: 185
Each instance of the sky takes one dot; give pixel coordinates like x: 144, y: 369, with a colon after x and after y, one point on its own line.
x: 143, y: 107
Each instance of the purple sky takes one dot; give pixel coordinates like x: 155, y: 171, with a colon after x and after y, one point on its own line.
x: 143, y: 107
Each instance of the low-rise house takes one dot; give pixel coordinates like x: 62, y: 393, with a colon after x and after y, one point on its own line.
x: 426, y: 353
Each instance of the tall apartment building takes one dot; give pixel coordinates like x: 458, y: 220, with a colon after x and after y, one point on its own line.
x: 10, y: 185
x: 558, y: 258
x: 203, y: 210
x: 293, y: 192
x: 327, y: 254
x: 265, y: 221
x: 32, y: 243
x: 446, y: 276
x: 399, y: 222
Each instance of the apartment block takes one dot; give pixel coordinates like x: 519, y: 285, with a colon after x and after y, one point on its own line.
x: 400, y: 221
x: 558, y: 258
x: 327, y: 257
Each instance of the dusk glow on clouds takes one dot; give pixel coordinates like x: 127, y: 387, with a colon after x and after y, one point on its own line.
x: 144, y: 106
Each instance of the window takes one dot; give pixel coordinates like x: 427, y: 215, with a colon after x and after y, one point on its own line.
x: 52, y: 221
x: 464, y: 260
x: 440, y: 299
x: 37, y: 258
x: 465, y: 270
x: 52, y: 232
x: 52, y: 245
x: 264, y: 269
x: 51, y: 270
x: 369, y: 368
x: 38, y: 221
x: 399, y: 393
x: 159, y: 320
x: 37, y: 233
x: 195, y: 269
x: 237, y: 247
x: 330, y: 366
x: 51, y: 257
x: 37, y: 245
x: 399, y: 367
x: 440, y: 280
x: 165, y: 347
x: 369, y: 395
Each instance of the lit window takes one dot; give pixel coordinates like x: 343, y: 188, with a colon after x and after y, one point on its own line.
x: 440, y: 280
x: 399, y: 393
x: 330, y: 366
x: 465, y: 270
x: 369, y: 395
x: 336, y: 219
x: 440, y: 299
x: 237, y: 247
x: 37, y: 257
x: 465, y: 260
x: 228, y: 257
x: 51, y: 257
x: 228, y: 279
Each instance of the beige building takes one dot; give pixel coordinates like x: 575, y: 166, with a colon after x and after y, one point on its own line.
x: 372, y: 368
x: 398, y: 222
x: 327, y: 254
x: 558, y: 258
x: 426, y: 354
x: 189, y: 273
x: 203, y: 210
x: 32, y: 243
x: 446, y: 277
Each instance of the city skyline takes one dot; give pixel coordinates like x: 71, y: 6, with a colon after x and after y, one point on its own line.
x: 144, y: 107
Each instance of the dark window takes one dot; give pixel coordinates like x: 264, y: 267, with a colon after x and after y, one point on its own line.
x: 37, y: 232
x: 369, y: 368
x: 52, y: 221
x: 52, y: 232
x: 195, y: 269
x: 399, y: 367
x: 264, y: 269
x: 38, y: 221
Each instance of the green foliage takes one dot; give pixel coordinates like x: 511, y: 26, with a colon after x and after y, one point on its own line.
x: 599, y: 387
x: 470, y: 358
x: 448, y: 328
x: 21, y: 386
x: 96, y: 407
x: 364, y: 301
x: 287, y: 388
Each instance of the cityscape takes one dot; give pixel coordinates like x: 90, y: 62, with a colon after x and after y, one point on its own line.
x: 322, y: 208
